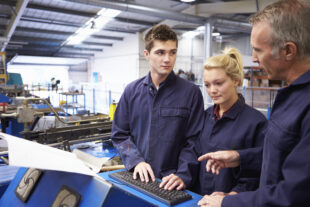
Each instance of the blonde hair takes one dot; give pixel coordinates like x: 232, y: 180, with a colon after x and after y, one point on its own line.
x: 230, y: 60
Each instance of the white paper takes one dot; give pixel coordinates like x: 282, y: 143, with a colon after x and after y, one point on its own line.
x: 26, y: 153
x: 94, y: 163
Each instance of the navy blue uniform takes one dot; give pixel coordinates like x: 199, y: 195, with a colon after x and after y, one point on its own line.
x: 241, y: 128
x: 160, y: 126
x: 285, y: 176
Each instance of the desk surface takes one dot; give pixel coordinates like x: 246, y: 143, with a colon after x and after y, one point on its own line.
x: 193, y: 202
x: 97, y: 149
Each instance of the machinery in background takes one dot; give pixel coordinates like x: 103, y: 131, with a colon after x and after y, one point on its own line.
x: 72, y: 134
x: 60, y: 128
x: 3, y: 73
x: 11, y: 86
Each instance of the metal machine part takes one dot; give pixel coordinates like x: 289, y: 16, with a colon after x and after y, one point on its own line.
x: 83, y: 132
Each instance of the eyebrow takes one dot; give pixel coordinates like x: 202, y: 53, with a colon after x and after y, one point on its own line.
x: 166, y: 50
x: 214, y: 80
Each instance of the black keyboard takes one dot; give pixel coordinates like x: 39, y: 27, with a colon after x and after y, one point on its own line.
x: 151, y: 188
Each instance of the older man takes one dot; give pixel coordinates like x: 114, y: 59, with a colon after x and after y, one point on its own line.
x: 280, y: 40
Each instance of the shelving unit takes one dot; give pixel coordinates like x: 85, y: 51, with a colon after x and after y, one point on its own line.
x: 3, y: 73
x: 260, y: 91
x: 74, y: 105
x: 258, y: 78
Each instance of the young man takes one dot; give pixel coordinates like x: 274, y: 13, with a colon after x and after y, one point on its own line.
x: 159, y: 117
x: 280, y: 40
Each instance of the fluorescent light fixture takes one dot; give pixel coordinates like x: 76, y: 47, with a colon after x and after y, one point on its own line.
x: 214, y: 34
x: 190, y: 34
x: 46, y: 60
x: 198, y: 31
x: 92, y: 26
x: 188, y: 0
x: 201, y: 28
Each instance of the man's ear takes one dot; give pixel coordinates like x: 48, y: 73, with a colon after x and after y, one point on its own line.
x: 290, y: 50
x: 146, y: 54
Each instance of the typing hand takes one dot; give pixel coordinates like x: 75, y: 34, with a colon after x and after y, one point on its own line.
x: 220, y: 159
x: 172, y: 181
x: 144, y: 170
x: 211, y: 201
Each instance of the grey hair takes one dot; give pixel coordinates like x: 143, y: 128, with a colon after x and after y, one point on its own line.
x: 290, y: 22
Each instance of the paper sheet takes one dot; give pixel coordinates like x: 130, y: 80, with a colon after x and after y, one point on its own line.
x: 26, y: 153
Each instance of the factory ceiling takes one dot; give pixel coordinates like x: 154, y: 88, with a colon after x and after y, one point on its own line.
x: 42, y: 27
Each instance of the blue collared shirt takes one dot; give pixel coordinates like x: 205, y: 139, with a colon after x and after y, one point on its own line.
x: 240, y: 128
x: 159, y: 126
x: 285, y: 176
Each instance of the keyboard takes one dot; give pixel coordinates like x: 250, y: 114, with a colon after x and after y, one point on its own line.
x: 152, y: 189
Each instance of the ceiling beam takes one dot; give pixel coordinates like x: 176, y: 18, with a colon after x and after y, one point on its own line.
x: 40, y: 64
x: 54, y: 32
x: 60, y: 40
x: 244, y: 6
x: 83, y: 14
x: 37, y: 39
x: 48, y: 53
x: 8, y: 2
x: 71, y: 54
x: 51, y: 21
x: 107, y: 37
x: 55, y: 42
x: 97, y: 44
x: 82, y: 49
x: 20, y: 7
x: 70, y: 24
x: 50, y: 8
x: 42, y: 47
x: 139, y: 9
x: 73, y: 25
x: 134, y: 21
x: 61, y: 10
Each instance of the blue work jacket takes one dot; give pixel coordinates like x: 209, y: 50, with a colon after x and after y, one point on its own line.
x: 159, y: 126
x: 241, y: 128
x: 285, y: 176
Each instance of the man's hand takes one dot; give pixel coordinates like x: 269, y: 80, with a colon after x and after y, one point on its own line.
x: 144, y: 170
x: 171, y: 181
x: 211, y: 201
x: 220, y: 159
x: 217, y: 193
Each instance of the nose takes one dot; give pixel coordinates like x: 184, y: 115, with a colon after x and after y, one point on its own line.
x: 167, y: 57
x: 212, y: 89
x: 254, y: 57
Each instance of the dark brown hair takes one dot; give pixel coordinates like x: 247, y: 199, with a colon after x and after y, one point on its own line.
x: 160, y: 32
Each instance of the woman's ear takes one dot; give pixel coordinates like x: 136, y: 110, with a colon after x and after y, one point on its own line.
x: 236, y: 82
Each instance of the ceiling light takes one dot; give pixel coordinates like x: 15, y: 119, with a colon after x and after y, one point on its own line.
x: 214, y: 34
x: 190, y: 34
x: 92, y: 26
x: 187, y: 1
x: 198, y: 31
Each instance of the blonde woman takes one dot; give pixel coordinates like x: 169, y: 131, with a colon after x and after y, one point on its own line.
x: 230, y: 124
